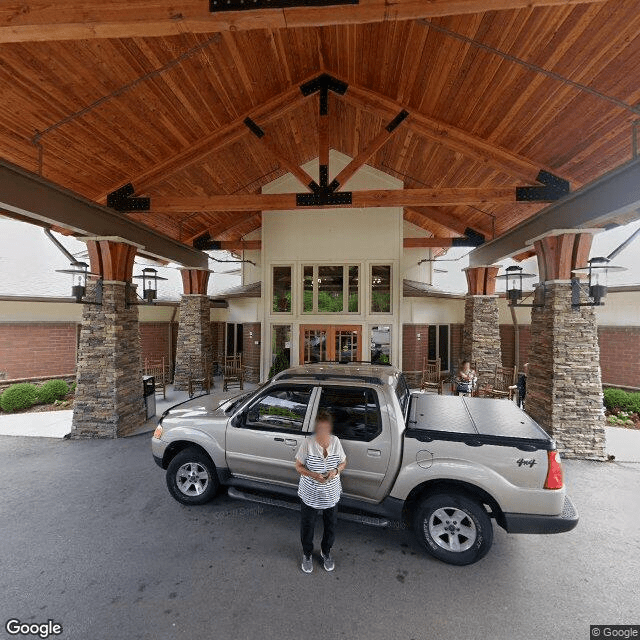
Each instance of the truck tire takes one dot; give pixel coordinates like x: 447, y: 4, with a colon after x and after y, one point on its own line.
x: 192, y: 477
x: 454, y: 528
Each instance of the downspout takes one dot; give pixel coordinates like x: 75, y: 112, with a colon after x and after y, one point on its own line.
x: 516, y: 338
x: 60, y: 246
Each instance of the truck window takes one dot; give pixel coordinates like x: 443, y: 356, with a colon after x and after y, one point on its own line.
x: 355, y: 411
x: 403, y: 393
x: 279, y: 409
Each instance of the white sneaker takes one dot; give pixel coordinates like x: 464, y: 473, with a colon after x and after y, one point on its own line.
x: 307, y: 564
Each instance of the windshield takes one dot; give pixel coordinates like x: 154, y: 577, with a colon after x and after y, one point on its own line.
x: 236, y: 401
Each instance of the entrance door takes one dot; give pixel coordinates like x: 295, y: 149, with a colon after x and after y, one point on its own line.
x: 330, y: 343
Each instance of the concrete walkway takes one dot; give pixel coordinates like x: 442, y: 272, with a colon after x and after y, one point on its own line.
x: 623, y: 443
x: 56, y: 424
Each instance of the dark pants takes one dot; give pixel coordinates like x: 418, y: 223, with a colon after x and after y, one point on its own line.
x: 308, y: 524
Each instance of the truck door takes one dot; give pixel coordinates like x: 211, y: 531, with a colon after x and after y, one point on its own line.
x: 262, y: 440
x: 358, y: 423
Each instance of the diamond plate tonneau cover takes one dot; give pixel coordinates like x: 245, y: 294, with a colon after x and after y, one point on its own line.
x: 474, y: 421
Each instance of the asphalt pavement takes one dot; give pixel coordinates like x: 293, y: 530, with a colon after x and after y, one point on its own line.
x: 90, y: 538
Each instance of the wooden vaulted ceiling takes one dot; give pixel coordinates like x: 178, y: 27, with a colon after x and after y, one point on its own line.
x: 166, y: 112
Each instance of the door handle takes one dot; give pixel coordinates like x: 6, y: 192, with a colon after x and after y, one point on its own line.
x: 373, y: 453
x: 291, y: 442
x: 279, y: 439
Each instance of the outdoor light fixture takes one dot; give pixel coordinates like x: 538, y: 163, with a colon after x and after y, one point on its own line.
x: 598, y: 270
x: 149, y: 279
x: 513, y: 277
x: 79, y: 272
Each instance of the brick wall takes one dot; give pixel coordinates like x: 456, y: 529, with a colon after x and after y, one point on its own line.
x: 34, y: 349
x: 154, y: 342
x: 218, y: 341
x: 507, y: 337
x: 251, y: 333
x: 620, y: 355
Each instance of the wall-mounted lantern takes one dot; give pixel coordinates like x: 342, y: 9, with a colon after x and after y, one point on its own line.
x: 149, y: 277
x: 597, y: 271
x: 79, y: 273
x: 513, y: 278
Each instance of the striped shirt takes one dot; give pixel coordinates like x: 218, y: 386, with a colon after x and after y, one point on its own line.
x: 320, y: 495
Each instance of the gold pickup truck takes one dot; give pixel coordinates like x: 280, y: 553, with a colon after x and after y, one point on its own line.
x: 446, y: 465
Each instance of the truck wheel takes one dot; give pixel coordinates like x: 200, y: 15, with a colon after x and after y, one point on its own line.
x: 453, y: 528
x: 191, y: 477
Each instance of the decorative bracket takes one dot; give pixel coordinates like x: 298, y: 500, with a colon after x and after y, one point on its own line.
x: 205, y: 243
x: 239, y: 5
x: 324, y: 83
x: 553, y: 188
x: 471, y: 238
x: 122, y: 199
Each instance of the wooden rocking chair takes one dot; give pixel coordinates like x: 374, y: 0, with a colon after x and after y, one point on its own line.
x: 159, y: 370
x: 233, y: 373
x: 200, y: 376
x: 431, y: 376
x: 503, y: 383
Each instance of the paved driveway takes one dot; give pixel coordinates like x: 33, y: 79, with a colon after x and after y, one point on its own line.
x: 90, y: 537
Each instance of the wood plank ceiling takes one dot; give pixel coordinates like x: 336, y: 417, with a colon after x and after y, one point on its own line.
x: 95, y: 114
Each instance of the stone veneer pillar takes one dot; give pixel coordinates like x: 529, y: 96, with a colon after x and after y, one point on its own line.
x: 194, y: 344
x: 109, y: 399
x: 564, y: 386
x: 481, y: 333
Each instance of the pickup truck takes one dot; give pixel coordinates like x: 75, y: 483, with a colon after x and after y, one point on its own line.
x: 445, y: 465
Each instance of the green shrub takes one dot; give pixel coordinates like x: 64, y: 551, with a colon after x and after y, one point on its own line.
x: 52, y: 390
x: 615, y: 399
x: 19, y: 396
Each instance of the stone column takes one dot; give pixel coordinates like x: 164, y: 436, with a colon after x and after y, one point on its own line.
x: 481, y: 333
x: 194, y: 344
x: 109, y: 401
x: 564, y: 386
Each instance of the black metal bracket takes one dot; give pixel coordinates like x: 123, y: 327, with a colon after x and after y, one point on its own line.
x: 324, y: 83
x: 254, y: 128
x: 576, y: 290
x: 397, y: 121
x: 323, y: 196
x: 553, y: 188
x: 471, y: 238
x: 122, y: 199
x: 241, y: 5
x: 97, y: 292
x: 205, y: 243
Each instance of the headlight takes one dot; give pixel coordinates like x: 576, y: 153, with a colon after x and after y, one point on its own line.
x: 157, y: 434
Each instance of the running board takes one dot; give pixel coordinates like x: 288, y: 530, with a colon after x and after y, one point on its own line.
x: 238, y: 494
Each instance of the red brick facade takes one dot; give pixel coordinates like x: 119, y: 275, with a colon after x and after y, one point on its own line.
x: 218, y: 344
x: 620, y: 355
x: 251, y: 334
x: 507, y: 338
x: 33, y: 349
x: 155, y: 342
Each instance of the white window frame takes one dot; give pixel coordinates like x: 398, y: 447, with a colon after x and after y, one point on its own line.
x: 272, y: 291
x: 370, y: 289
x: 345, y: 288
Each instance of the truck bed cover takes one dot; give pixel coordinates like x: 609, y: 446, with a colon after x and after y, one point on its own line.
x: 474, y: 421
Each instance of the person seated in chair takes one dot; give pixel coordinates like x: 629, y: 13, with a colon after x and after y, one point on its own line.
x: 466, y: 379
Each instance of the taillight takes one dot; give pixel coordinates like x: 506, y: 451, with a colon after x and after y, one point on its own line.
x: 554, y: 473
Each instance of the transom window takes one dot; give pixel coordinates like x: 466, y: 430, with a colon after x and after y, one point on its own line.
x: 381, y: 288
x: 330, y: 289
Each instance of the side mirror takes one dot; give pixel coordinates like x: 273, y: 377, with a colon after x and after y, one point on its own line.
x: 238, y: 420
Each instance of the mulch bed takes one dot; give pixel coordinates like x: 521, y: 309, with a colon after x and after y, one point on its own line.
x: 66, y: 405
x: 622, y: 419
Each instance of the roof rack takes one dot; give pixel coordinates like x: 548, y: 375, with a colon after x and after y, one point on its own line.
x: 375, y: 364
x: 331, y: 376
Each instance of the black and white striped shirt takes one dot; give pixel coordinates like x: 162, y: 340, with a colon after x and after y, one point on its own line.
x: 313, y: 493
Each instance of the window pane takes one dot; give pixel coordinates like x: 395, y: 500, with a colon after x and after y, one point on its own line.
x: 443, y: 346
x: 381, y: 289
x: 280, y: 409
x: 431, y: 345
x: 315, y: 345
x: 330, y: 289
x: 353, y: 289
x: 282, y: 289
x: 381, y: 344
x: 347, y: 345
x: 356, y: 415
x: 280, y: 348
x: 307, y: 289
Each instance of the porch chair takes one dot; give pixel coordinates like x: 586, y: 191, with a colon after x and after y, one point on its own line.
x: 503, y: 383
x: 233, y: 373
x: 454, y: 379
x: 200, y: 376
x: 431, y: 376
x: 159, y: 370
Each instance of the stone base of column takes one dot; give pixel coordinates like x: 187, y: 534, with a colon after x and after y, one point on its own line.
x: 109, y: 400
x: 194, y: 344
x: 564, y: 387
x: 481, y: 333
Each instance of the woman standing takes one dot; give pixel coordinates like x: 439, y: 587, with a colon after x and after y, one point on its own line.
x: 319, y: 461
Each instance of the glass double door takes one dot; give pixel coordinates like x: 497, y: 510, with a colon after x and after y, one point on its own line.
x: 330, y: 343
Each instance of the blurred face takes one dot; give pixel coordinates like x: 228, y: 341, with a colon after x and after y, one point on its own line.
x: 466, y: 366
x: 323, y: 430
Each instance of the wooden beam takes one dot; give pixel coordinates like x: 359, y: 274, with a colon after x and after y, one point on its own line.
x: 448, y: 220
x: 419, y: 243
x: 343, y: 177
x: 458, y: 140
x: 217, y: 229
x: 298, y: 172
x: 241, y: 245
x: 42, y: 20
x: 360, y: 199
x: 225, y: 135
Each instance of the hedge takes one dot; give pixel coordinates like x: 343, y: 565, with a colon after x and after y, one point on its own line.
x: 19, y: 396
x: 52, y: 390
x: 619, y: 400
